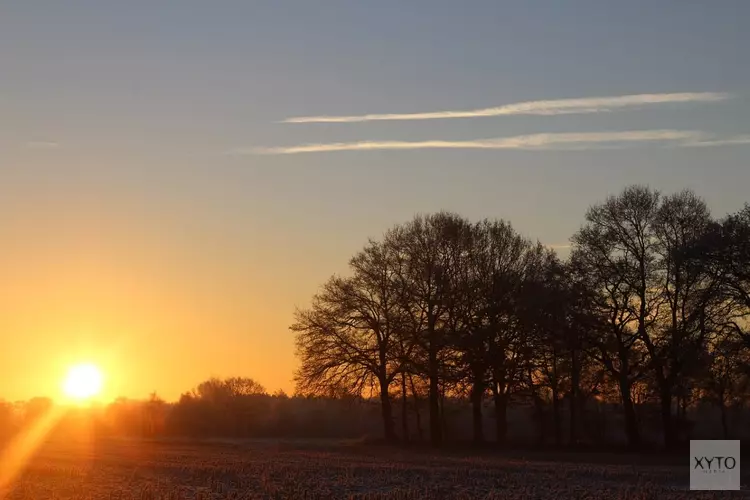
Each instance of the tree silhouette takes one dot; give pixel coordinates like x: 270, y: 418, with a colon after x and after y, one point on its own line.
x: 430, y: 249
x: 613, y: 252
x: 645, y: 308
x: 348, y: 338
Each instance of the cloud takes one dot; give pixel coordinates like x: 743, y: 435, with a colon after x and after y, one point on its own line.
x: 548, y: 107
x: 42, y: 144
x: 564, y: 141
x: 561, y: 246
x: 739, y: 139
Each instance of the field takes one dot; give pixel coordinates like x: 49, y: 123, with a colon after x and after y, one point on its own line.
x: 125, y: 470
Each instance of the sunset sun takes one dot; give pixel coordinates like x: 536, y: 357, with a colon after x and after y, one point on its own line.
x: 83, y: 381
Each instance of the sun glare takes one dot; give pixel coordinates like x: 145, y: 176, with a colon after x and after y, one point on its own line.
x: 83, y: 381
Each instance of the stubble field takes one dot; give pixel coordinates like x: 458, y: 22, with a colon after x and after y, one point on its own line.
x: 129, y: 470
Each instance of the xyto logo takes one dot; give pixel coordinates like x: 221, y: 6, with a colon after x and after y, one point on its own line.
x: 714, y: 465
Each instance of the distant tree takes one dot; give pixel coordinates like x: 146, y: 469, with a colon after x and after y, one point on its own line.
x: 244, y: 386
x: 36, y: 408
x: 155, y: 414
x: 213, y: 390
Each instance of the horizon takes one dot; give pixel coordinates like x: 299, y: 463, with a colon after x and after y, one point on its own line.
x: 168, y: 200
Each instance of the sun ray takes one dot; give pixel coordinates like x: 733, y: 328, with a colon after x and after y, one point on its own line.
x: 19, y: 451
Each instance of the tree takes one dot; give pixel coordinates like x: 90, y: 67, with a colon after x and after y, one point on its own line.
x: 348, y: 338
x: 560, y: 313
x: 724, y: 250
x: 726, y: 381
x: 687, y: 305
x: 613, y: 252
x: 450, y: 309
x: 498, y: 338
x: 662, y: 307
x: 581, y: 321
x: 430, y: 250
x: 155, y: 414
x: 215, y: 389
x: 244, y: 386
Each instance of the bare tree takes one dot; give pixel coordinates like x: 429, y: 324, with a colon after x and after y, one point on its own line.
x: 430, y: 248
x: 726, y: 381
x: 348, y: 338
x: 450, y: 309
x: 614, y: 253
x: 687, y: 300
x: 509, y: 264
x: 725, y: 251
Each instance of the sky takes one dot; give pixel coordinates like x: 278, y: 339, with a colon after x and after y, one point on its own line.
x: 176, y: 177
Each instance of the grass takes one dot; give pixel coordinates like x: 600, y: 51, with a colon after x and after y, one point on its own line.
x: 267, y: 469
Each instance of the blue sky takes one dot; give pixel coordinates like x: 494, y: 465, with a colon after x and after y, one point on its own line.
x: 119, y: 120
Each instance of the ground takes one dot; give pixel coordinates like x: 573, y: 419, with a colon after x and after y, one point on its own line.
x: 172, y: 470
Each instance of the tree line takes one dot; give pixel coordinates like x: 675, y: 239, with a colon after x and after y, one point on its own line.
x: 234, y: 407
x: 650, y: 309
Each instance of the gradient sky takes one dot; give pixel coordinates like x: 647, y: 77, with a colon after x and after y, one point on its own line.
x: 142, y: 230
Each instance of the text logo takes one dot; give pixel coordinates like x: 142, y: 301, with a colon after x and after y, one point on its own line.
x: 714, y: 465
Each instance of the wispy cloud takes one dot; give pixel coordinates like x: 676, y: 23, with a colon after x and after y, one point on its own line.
x: 561, y: 246
x: 42, y: 144
x: 568, y: 141
x: 547, y: 107
x: 728, y: 141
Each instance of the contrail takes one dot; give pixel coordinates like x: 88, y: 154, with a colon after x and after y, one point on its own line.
x: 547, y: 107
x: 582, y: 140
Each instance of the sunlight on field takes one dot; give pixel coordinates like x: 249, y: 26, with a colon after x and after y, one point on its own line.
x: 20, y: 451
x: 134, y: 469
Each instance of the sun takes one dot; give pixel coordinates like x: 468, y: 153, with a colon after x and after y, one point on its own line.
x: 83, y: 381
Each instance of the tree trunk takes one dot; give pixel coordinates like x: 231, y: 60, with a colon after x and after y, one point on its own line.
x: 557, y: 416
x: 539, y: 411
x: 666, y: 417
x: 417, y: 413
x: 683, y: 405
x: 433, y: 368
x: 404, y: 410
x: 724, y: 420
x: 443, y: 425
x: 477, y: 392
x: 501, y: 417
x: 385, y: 406
x: 631, y: 422
x: 575, y: 381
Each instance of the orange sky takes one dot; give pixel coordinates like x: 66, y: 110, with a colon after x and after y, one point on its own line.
x: 157, y: 304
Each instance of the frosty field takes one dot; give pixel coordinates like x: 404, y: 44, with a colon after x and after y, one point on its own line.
x: 112, y: 469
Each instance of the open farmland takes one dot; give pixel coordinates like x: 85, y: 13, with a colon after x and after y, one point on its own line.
x: 127, y: 470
